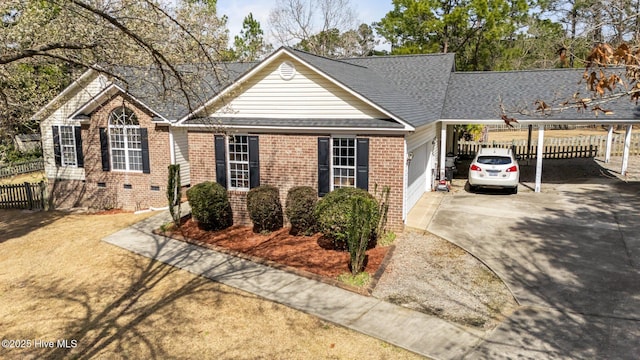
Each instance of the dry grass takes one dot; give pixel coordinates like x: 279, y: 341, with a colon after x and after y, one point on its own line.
x: 33, y: 177
x: 522, y: 135
x: 59, y: 281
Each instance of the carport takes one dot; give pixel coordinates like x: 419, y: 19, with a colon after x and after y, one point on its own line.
x: 540, y: 125
x: 486, y: 98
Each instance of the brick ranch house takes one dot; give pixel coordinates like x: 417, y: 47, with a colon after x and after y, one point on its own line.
x: 292, y: 119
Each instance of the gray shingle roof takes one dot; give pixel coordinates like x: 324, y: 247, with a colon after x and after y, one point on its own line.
x: 421, y: 81
x: 477, y: 95
x: 410, y: 87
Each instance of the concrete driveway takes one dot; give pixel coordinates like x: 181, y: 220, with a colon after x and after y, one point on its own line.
x: 571, y: 256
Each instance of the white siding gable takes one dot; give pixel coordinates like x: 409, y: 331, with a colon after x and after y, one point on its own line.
x: 60, y: 116
x: 306, y: 95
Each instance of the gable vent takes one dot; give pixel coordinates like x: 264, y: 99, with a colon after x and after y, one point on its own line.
x: 287, y: 70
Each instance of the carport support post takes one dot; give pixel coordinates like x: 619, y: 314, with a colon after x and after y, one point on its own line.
x: 443, y: 150
x: 607, y: 155
x: 625, y: 154
x: 540, y: 155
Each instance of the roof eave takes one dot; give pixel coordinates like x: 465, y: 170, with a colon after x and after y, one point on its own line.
x: 301, y: 129
x: 111, y: 90
x: 542, y: 121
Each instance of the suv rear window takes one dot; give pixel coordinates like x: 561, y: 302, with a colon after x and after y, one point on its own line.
x: 494, y: 160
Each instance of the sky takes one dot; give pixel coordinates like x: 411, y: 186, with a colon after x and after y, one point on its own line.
x: 367, y: 11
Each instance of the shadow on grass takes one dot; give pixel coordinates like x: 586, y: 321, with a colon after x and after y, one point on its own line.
x: 18, y: 223
x: 129, y: 323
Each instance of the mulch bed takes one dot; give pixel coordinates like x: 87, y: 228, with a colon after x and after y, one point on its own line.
x: 311, y: 256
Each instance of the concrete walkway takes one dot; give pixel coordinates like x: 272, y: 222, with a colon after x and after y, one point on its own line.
x: 411, y: 330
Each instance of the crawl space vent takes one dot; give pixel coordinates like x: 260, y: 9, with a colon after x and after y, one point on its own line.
x: 287, y: 70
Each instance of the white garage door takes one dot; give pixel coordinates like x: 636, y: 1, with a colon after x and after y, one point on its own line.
x: 417, y: 179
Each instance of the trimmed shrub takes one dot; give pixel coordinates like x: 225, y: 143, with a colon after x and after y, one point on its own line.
x: 265, y: 209
x: 301, y: 202
x: 210, y: 206
x: 334, y: 213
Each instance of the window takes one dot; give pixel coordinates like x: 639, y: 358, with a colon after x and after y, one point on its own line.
x: 125, y: 140
x: 239, y: 162
x: 67, y: 146
x: 344, y: 162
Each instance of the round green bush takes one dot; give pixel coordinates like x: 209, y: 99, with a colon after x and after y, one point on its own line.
x: 335, y: 211
x: 301, y: 202
x: 210, y: 206
x: 265, y: 209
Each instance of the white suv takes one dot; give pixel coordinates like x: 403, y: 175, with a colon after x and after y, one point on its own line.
x: 494, y: 167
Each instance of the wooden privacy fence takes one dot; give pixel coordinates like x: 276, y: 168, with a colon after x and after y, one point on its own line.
x: 558, y: 148
x: 21, y: 168
x: 23, y: 196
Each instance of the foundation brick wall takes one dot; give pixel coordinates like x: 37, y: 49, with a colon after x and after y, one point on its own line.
x: 288, y: 160
x: 91, y: 192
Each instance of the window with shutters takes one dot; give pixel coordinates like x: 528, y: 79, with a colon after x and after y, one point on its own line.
x: 343, y: 162
x: 125, y: 140
x: 239, y: 162
x: 68, y: 146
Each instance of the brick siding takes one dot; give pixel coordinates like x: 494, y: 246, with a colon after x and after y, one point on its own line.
x: 287, y: 161
x: 90, y: 193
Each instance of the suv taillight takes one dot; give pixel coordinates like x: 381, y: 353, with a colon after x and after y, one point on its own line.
x: 512, y: 169
x: 475, y: 167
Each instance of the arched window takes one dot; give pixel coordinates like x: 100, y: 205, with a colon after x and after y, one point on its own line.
x: 125, y: 140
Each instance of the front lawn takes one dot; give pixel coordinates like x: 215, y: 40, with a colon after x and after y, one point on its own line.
x: 60, y: 282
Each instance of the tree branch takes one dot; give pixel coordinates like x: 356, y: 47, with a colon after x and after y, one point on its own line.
x: 156, y: 55
x: 27, y: 53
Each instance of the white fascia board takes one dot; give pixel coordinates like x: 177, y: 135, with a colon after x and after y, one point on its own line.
x: 594, y: 121
x: 75, y: 84
x: 297, y: 129
x: 272, y: 58
x: 109, y: 91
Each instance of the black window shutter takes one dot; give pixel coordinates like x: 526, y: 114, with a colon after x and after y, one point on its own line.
x: 324, y: 170
x: 104, y: 149
x: 362, y: 163
x: 56, y: 145
x: 221, y: 160
x: 254, y: 162
x: 77, y: 132
x: 144, y: 139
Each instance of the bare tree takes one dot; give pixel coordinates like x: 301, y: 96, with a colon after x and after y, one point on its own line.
x: 311, y: 22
